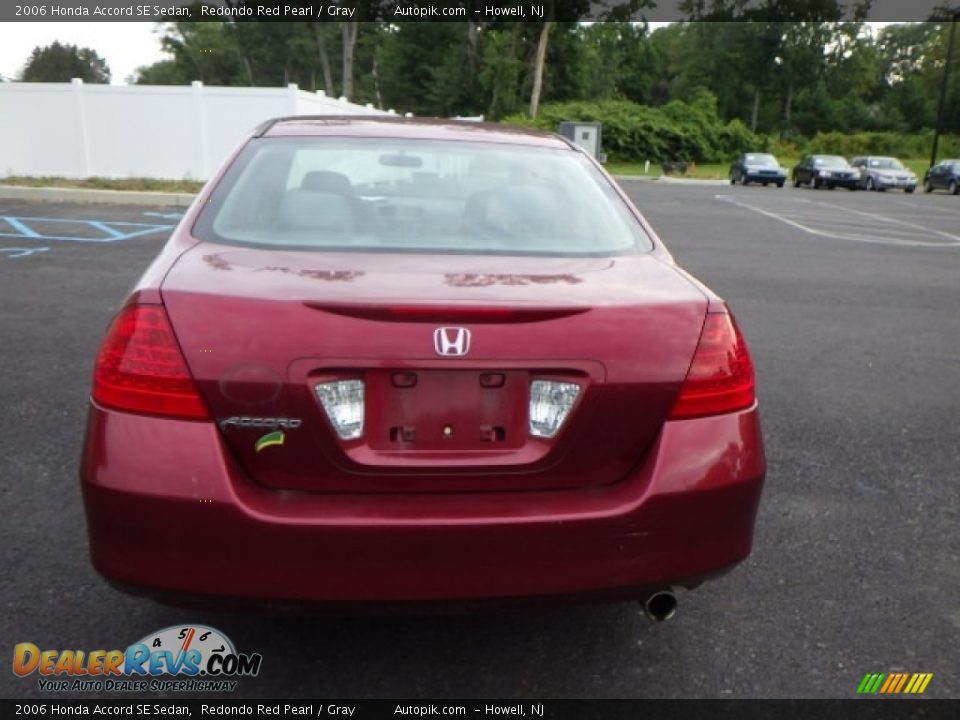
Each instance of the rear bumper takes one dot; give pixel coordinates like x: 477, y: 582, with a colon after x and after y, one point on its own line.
x: 758, y: 177
x: 891, y: 183
x: 170, y: 515
x: 850, y: 183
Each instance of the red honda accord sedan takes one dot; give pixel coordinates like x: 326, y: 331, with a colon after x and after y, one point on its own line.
x: 393, y: 360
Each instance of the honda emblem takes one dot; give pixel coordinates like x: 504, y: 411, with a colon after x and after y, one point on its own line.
x: 451, y: 341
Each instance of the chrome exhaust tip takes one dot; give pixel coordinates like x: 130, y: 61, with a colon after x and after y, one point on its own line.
x: 661, y: 606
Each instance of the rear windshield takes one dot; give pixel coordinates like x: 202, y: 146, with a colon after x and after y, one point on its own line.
x: 764, y: 160
x: 886, y: 163
x: 376, y: 194
x: 830, y: 161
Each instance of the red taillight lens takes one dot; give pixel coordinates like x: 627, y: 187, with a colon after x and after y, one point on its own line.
x: 140, y: 367
x: 720, y: 378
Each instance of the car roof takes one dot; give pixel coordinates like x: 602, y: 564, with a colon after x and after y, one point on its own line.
x: 360, y: 126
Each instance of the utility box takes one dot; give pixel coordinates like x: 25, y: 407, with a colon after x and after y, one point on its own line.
x: 587, y: 135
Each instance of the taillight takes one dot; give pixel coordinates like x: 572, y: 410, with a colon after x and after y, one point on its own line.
x: 720, y: 378
x: 140, y: 367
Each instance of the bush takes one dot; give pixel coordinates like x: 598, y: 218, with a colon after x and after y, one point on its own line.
x: 685, y: 131
x: 678, y: 131
x: 911, y: 145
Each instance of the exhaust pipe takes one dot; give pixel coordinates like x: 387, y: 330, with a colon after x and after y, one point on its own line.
x: 661, y: 605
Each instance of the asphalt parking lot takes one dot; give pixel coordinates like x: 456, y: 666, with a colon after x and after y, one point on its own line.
x: 849, y: 303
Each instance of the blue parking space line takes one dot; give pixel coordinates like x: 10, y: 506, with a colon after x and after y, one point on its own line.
x: 115, y: 234
x: 22, y: 230
x: 58, y: 237
x: 88, y: 221
x: 66, y: 238
x: 155, y: 228
x: 112, y: 231
x: 22, y: 252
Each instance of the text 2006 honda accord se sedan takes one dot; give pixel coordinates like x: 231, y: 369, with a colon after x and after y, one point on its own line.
x: 384, y: 361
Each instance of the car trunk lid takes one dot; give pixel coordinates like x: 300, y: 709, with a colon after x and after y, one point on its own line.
x: 261, y: 330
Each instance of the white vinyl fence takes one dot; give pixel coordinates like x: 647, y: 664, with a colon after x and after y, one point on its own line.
x: 172, y: 132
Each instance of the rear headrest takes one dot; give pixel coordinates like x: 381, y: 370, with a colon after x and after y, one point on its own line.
x: 316, y: 211
x: 512, y: 209
x: 327, y: 181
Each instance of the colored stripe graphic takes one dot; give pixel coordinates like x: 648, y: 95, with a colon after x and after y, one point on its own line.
x: 918, y: 683
x: 899, y: 687
x: 274, y: 438
x: 894, y: 683
x: 871, y: 683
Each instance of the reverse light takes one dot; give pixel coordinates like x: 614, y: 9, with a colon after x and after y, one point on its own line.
x: 342, y: 400
x: 720, y: 378
x: 141, y: 369
x: 550, y: 403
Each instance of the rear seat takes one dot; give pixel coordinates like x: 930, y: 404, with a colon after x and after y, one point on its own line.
x: 325, y: 201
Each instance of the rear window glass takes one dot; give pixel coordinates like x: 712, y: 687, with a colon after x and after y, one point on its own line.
x: 418, y: 196
x: 830, y: 161
x: 765, y: 160
x: 886, y: 163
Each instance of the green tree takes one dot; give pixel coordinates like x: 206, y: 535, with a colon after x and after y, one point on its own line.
x: 61, y: 63
x: 205, y: 51
x: 616, y: 61
x: 787, y: 67
x: 424, y: 68
x: 162, y: 72
x: 502, y: 65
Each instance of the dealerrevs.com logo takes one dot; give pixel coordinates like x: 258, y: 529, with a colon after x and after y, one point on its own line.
x: 188, y: 658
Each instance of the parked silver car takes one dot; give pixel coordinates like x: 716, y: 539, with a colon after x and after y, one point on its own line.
x: 882, y: 173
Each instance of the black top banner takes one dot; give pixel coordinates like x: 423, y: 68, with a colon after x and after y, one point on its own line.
x: 488, y: 709
x: 478, y: 10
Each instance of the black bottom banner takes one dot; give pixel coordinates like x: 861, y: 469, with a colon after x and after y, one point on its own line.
x: 855, y: 709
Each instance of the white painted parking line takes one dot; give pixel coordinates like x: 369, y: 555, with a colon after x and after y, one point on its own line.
x: 928, y: 206
x: 833, y: 224
x: 955, y: 239
x: 836, y: 226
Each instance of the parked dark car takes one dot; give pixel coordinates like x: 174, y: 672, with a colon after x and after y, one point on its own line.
x: 757, y: 167
x: 945, y: 174
x: 881, y: 173
x: 828, y: 171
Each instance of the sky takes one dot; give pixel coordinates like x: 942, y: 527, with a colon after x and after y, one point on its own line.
x: 125, y: 46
